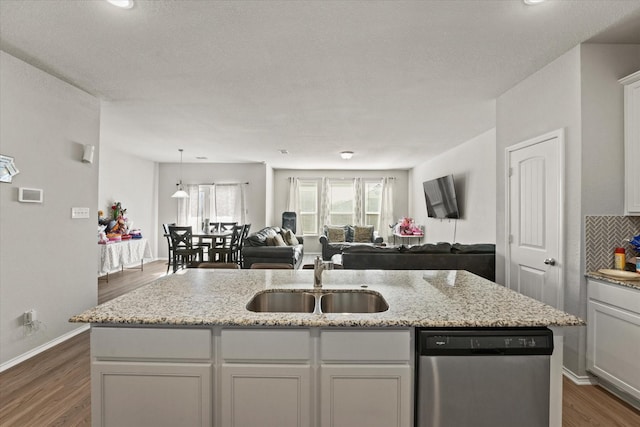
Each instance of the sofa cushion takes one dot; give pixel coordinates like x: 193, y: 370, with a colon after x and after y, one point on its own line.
x: 336, y: 234
x: 259, y: 238
x: 428, y: 248
x: 278, y: 240
x: 290, y: 238
x: 363, y: 234
x: 478, y: 248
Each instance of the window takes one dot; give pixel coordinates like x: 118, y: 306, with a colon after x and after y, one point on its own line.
x: 373, y: 203
x: 308, y: 207
x: 212, y: 203
x: 356, y: 201
x: 341, y: 202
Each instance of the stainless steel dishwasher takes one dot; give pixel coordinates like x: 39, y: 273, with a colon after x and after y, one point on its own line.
x: 483, y: 377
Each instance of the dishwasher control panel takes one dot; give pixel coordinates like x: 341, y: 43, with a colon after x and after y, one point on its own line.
x: 485, y: 341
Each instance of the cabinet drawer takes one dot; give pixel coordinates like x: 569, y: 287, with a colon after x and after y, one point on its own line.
x: 260, y: 344
x: 151, y: 343
x: 365, y: 345
x: 615, y: 295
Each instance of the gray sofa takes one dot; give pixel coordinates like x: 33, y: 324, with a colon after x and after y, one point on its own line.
x: 258, y: 247
x: 330, y: 248
x: 479, y: 259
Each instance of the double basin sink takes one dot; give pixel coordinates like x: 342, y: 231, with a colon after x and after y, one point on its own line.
x: 318, y: 301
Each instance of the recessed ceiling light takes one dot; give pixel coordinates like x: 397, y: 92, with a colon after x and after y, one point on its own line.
x: 532, y: 2
x: 284, y: 151
x: 346, y: 155
x: 124, y: 4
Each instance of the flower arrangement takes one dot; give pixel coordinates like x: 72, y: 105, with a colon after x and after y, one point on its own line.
x: 407, y: 227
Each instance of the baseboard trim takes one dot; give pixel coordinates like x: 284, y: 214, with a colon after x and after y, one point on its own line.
x: 46, y: 346
x: 579, y: 379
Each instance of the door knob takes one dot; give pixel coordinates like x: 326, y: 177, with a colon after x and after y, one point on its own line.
x: 550, y: 261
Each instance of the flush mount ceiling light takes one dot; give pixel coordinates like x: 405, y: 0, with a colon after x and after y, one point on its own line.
x: 123, y: 4
x: 180, y: 194
x: 532, y: 2
x: 346, y: 155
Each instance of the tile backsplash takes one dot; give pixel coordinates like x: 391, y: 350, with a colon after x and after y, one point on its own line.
x: 605, y: 233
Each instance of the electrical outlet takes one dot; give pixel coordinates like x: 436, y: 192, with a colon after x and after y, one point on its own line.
x: 79, y: 213
x: 29, y: 317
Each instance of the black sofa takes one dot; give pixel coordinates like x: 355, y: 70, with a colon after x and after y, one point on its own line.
x: 329, y: 249
x: 479, y: 259
x: 259, y: 247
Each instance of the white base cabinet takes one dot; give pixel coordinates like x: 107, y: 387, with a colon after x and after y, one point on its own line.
x: 266, y: 395
x: 151, y: 394
x: 365, y: 395
x: 613, y: 335
x: 151, y: 377
x: 366, y: 378
x: 249, y: 377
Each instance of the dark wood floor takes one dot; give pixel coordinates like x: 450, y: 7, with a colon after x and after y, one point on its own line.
x: 53, y: 388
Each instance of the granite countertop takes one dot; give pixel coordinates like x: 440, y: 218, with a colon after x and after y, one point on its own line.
x: 628, y: 283
x: 441, y: 298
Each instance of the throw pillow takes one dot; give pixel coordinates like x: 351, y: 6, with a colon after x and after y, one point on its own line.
x: 278, y: 240
x: 270, y: 241
x: 363, y: 234
x: 290, y: 238
x: 335, y: 234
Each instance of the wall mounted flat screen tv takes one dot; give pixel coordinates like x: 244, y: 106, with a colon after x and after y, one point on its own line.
x: 440, y: 195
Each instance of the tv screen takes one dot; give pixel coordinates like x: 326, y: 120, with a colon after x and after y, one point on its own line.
x: 440, y: 195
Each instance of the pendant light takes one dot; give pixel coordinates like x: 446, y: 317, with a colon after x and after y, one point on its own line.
x: 180, y: 194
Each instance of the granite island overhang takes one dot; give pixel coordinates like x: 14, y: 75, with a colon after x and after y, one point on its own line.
x: 425, y: 298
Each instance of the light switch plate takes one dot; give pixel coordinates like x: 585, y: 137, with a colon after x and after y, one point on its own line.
x: 79, y: 213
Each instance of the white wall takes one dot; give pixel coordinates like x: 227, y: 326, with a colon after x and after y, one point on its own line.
x: 579, y: 93
x: 473, y: 165
x: 47, y: 260
x: 131, y: 181
x: 281, y: 193
x: 206, y: 173
x: 602, y: 103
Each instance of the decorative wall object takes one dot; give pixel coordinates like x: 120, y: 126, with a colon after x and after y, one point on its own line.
x: 8, y: 168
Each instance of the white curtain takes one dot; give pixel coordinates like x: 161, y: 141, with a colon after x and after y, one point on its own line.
x: 229, y: 203
x: 358, y: 187
x: 215, y: 202
x: 188, y: 208
x: 293, y: 202
x: 323, y: 208
x: 387, y: 216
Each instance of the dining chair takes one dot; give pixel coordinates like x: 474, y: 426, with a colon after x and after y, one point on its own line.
x: 226, y: 252
x: 243, y: 235
x: 165, y: 227
x: 184, y: 251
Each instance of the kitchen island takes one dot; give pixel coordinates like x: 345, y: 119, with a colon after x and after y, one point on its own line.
x: 190, y: 337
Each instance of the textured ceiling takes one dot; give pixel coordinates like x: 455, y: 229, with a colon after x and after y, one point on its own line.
x: 237, y: 81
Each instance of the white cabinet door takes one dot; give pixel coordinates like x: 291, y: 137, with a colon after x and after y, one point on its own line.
x: 140, y: 394
x: 613, y: 335
x: 632, y: 142
x: 265, y: 395
x: 365, y: 395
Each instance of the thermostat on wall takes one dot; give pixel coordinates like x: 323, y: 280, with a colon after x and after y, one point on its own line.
x: 30, y: 195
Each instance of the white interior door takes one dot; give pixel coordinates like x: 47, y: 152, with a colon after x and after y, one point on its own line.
x: 535, y: 215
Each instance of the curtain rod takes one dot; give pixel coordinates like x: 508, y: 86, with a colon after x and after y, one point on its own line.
x: 226, y: 183
x: 326, y: 177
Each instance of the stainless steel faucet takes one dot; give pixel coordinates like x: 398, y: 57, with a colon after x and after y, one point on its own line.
x: 318, y: 267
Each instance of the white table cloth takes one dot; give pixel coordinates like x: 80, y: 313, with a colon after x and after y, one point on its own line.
x: 117, y: 255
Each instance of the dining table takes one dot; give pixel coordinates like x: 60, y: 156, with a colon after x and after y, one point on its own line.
x: 214, y: 238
